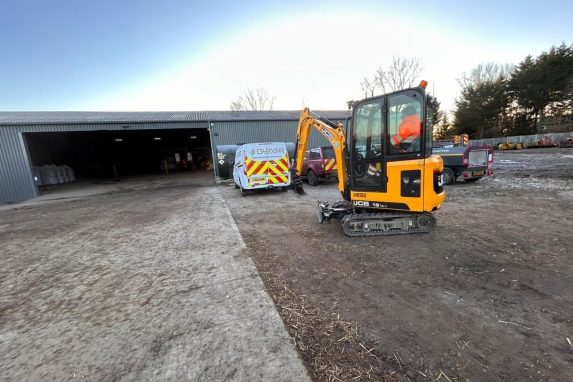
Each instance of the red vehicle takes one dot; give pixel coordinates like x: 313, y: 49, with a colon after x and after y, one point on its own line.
x: 319, y: 163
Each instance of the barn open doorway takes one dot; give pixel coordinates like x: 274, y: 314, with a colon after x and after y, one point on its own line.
x: 85, y: 157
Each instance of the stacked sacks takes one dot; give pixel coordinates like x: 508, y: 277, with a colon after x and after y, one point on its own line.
x: 70, y: 175
x: 50, y: 174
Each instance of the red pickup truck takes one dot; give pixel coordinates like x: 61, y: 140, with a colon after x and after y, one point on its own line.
x: 319, y: 163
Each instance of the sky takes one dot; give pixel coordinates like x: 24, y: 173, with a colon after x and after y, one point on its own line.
x: 84, y: 55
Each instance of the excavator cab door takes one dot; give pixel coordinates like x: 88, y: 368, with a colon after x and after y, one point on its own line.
x: 367, y: 146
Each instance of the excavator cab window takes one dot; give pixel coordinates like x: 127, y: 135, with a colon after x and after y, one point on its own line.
x: 405, y: 123
x: 368, y: 145
x: 429, y: 130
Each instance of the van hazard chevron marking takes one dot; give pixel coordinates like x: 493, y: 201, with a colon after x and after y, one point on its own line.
x: 278, y: 175
x: 277, y: 170
x: 255, y: 167
x: 283, y: 163
x: 330, y: 164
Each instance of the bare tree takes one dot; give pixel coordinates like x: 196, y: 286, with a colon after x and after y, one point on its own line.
x: 253, y: 100
x: 402, y: 73
x: 485, y: 73
x: 369, y: 87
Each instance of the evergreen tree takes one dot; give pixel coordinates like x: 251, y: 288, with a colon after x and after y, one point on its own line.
x: 443, y: 129
x: 480, y: 110
x: 434, y: 106
x: 544, y: 84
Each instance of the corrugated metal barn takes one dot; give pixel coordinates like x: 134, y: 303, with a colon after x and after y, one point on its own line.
x: 100, y: 144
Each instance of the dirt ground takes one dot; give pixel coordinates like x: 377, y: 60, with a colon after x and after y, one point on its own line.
x: 143, y: 279
x: 488, y: 296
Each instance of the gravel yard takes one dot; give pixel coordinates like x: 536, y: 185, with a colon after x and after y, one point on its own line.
x: 487, y: 297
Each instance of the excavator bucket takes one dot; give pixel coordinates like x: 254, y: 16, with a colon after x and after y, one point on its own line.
x: 298, y: 188
x: 296, y: 183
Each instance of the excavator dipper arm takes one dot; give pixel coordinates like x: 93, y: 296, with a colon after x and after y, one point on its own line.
x: 333, y: 132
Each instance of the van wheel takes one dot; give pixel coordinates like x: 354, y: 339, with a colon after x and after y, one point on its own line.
x: 448, y: 176
x: 312, y: 178
x: 237, y: 186
x: 243, y: 191
x: 284, y: 189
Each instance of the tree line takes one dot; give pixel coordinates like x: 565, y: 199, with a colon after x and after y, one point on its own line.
x: 502, y: 100
x: 495, y: 99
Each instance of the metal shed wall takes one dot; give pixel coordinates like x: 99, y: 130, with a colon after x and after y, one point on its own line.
x: 234, y: 132
x: 16, y: 180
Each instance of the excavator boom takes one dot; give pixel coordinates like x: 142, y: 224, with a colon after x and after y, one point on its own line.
x: 333, y: 132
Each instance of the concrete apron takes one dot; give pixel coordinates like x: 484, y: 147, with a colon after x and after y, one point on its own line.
x: 234, y: 330
x: 247, y: 340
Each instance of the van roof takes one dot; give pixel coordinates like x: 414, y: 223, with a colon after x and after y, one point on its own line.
x: 264, y: 143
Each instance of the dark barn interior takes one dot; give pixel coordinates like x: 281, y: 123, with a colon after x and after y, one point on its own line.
x: 104, y: 154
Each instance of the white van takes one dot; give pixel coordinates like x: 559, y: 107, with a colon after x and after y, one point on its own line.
x: 261, y: 165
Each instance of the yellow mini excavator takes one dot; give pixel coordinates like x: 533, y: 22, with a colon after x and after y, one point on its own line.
x: 388, y: 177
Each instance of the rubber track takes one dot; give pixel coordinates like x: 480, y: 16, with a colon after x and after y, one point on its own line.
x: 369, y: 216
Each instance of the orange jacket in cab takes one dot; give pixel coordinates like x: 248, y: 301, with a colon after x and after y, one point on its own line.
x: 409, y: 130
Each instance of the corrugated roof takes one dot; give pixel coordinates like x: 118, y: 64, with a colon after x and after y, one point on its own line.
x: 82, y: 117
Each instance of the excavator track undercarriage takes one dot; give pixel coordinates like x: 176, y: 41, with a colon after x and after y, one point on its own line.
x: 361, y: 222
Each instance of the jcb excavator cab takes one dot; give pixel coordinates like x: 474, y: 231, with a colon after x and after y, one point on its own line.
x: 389, y: 149
x: 388, y: 177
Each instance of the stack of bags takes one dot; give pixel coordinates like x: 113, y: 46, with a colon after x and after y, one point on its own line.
x: 50, y: 174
